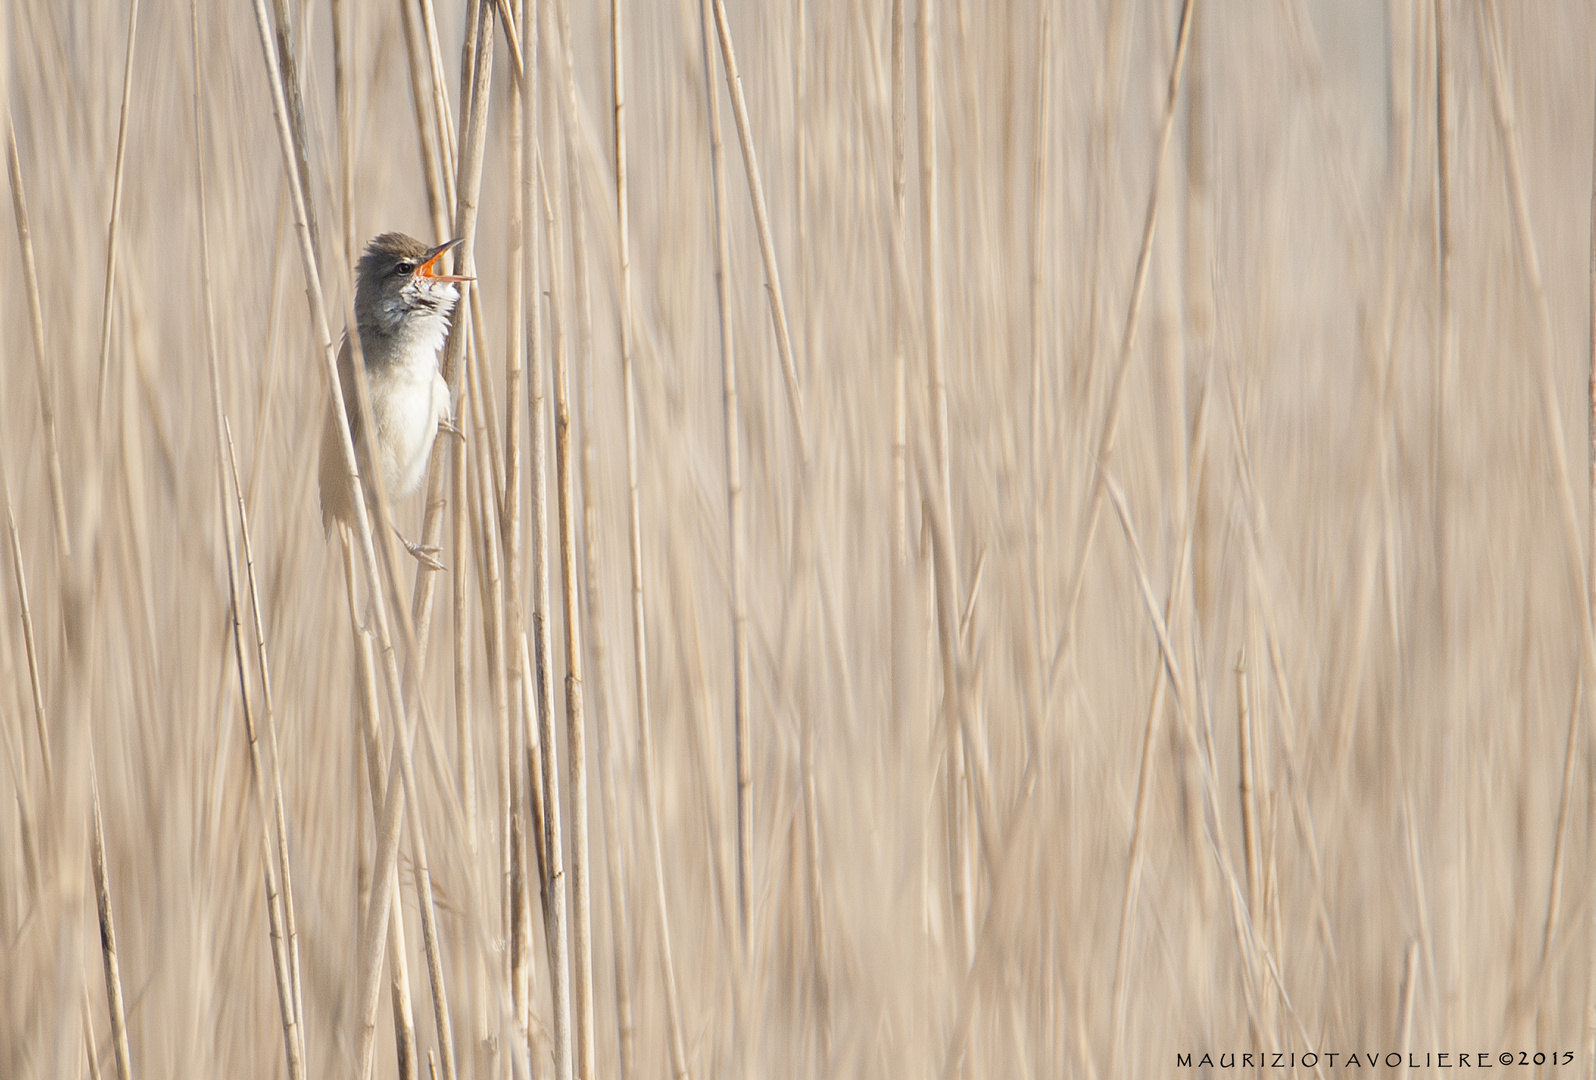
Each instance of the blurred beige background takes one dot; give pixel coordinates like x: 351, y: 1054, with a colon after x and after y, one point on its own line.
x: 1381, y: 592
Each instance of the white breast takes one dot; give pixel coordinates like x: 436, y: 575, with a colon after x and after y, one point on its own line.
x: 409, y: 397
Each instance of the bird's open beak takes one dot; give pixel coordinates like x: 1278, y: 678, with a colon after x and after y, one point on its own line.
x: 429, y: 266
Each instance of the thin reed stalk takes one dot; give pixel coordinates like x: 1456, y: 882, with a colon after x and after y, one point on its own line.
x: 40, y: 720
x: 902, y: 622
x: 1167, y: 673
x: 1446, y: 354
x: 376, y: 787
x: 285, y: 944
x: 30, y: 281
x: 575, y: 643
x: 554, y: 901
x: 1588, y: 1039
x: 401, y: 798
x: 113, y: 231
x: 343, y: 94
x: 591, y: 575
x: 113, y: 965
x: 1041, y: 183
x: 521, y: 231
x: 293, y: 95
x: 420, y: 69
x: 730, y: 417
x: 767, y: 244
x: 592, y: 572
x: 634, y: 536
x: 466, y: 190
x: 1551, y: 417
x: 1110, y: 425
x: 279, y: 813
x: 945, y: 562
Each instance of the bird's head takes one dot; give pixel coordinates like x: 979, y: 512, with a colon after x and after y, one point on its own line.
x: 397, y: 281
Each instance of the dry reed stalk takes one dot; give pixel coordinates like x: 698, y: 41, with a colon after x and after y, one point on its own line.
x: 460, y: 597
x: 401, y: 799
x: 420, y: 78
x: 487, y: 412
x: 41, y: 724
x: 645, y: 727
x: 443, y: 122
x: 581, y: 899
x: 734, y: 489
x: 999, y: 839
x: 376, y: 788
x: 1560, y: 838
x: 1107, y: 87
x: 1301, y: 812
x: 90, y: 1043
x: 113, y: 231
x: 1001, y: 903
x: 1404, y: 1024
x: 485, y: 521
x: 1199, y: 287
x: 288, y: 60
x: 554, y: 902
x: 1247, y: 784
x: 1042, y: 144
x: 475, y: 63
x: 592, y: 572
x: 1426, y: 937
x: 804, y: 526
x: 1380, y: 348
x: 520, y: 929
x: 1551, y: 417
x: 901, y: 583
x: 767, y: 244
x: 801, y: 157
x: 575, y: 642
x: 1110, y: 426
x: 945, y: 562
x: 1446, y: 355
x: 467, y: 190
x: 1588, y: 1035
x: 279, y: 814
x: 1588, y: 1030
x: 542, y: 773
x: 293, y: 1035
x: 343, y: 95
x: 581, y: 635
x: 30, y: 280
x: 285, y: 943
x: 113, y: 967
x: 460, y: 449
x: 621, y: 940
x: 1167, y: 342
x: 33, y: 870
x: 1167, y: 672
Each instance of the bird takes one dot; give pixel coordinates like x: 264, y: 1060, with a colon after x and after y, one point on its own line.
x: 402, y: 308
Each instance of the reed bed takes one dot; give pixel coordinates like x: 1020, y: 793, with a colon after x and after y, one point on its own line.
x: 1018, y: 540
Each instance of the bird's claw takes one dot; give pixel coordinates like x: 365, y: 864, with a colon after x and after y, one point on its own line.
x: 425, y: 554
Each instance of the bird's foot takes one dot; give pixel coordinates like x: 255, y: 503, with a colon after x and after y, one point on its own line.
x: 424, y: 554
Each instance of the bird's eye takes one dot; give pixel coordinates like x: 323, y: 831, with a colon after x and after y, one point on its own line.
x: 405, y: 267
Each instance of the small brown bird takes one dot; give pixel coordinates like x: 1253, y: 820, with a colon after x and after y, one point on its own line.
x: 402, y: 306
